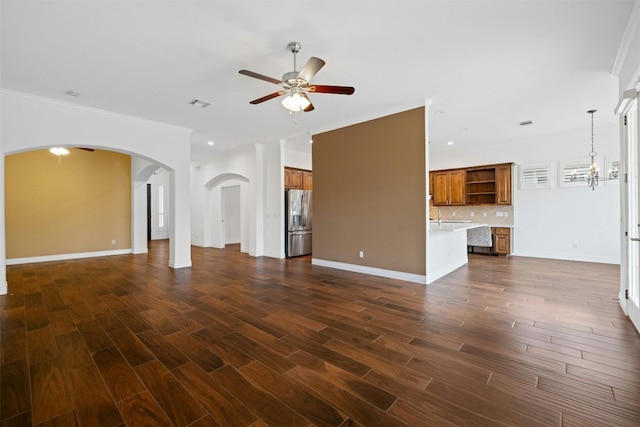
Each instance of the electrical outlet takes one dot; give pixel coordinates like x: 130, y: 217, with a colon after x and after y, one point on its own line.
x: 473, y: 214
x: 113, y: 242
x: 484, y: 214
x: 361, y: 254
x: 454, y: 214
x: 574, y: 246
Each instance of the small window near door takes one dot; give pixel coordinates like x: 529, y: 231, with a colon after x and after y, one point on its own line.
x: 534, y: 176
x: 614, y: 171
x: 574, y: 173
x: 160, y: 207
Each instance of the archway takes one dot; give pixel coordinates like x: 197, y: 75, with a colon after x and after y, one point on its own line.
x: 214, y: 233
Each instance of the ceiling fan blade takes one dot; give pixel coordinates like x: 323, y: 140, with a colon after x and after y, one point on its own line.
x: 86, y: 149
x: 310, y: 107
x: 260, y: 76
x: 341, y: 90
x: 310, y: 69
x: 268, y: 97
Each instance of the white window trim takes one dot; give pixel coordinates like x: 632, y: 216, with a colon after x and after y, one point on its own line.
x: 529, y: 186
x: 575, y: 164
x: 162, y: 223
x: 610, y: 164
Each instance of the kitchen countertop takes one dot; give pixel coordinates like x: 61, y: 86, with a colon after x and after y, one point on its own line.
x: 453, y: 226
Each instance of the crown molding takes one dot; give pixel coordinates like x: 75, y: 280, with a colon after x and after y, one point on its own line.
x: 629, y: 33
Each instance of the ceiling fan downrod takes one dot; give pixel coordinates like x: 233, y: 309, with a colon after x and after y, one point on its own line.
x: 294, y: 47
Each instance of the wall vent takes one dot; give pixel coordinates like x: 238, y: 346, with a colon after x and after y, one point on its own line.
x: 525, y: 123
x: 199, y: 103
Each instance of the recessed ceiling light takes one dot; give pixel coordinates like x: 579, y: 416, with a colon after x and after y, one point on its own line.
x: 199, y: 103
x: 72, y: 93
x: 464, y: 129
x: 525, y: 123
x: 210, y: 143
x: 450, y: 143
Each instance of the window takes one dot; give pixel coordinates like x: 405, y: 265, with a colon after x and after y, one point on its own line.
x: 614, y: 171
x: 160, y: 207
x: 534, y: 176
x: 575, y: 173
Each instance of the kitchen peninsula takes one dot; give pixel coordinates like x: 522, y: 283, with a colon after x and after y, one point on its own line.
x: 447, y: 247
x: 467, y: 198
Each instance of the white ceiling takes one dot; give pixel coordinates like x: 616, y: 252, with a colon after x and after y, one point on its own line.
x: 483, y: 66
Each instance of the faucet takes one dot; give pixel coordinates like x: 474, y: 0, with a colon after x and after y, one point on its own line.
x: 439, y: 214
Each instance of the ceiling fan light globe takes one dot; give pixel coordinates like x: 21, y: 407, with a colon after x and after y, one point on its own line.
x: 295, y: 102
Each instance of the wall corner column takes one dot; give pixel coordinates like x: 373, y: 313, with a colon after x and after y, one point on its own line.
x: 3, y: 254
x: 180, y: 220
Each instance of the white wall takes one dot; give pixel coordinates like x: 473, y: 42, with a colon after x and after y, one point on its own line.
x: 208, y: 177
x: 549, y: 222
x: 259, y: 171
x: 297, y: 152
x: 273, y: 244
x: 161, y: 178
x: 30, y: 122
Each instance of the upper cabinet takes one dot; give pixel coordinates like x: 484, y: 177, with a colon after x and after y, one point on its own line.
x: 448, y: 188
x: 503, y: 184
x: 479, y: 185
x: 298, y: 179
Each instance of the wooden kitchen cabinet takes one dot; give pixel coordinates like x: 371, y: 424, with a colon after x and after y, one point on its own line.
x: 501, y: 240
x: 307, y: 180
x: 298, y: 179
x: 449, y: 188
x: 503, y: 184
x: 431, y: 184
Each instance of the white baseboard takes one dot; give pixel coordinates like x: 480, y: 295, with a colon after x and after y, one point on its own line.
x: 64, y: 257
x: 273, y: 254
x: 391, y: 274
x: 569, y: 257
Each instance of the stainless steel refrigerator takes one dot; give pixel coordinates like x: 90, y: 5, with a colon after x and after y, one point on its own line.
x: 298, y: 222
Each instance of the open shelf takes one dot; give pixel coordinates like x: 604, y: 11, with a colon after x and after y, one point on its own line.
x: 481, y: 186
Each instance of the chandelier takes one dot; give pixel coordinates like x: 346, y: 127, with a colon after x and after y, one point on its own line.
x: 592, y: 177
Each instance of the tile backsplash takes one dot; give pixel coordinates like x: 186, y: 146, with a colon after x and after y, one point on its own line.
x: 492, y: 215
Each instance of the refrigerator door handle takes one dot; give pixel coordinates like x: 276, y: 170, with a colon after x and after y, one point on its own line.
x: 302, y: 209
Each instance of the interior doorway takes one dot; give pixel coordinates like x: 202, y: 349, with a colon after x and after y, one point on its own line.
x: 631, y: 214
x: 231, y: 221
x: 148, y: 212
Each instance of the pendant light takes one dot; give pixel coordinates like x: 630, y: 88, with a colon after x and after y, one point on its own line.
x: 592, y: 177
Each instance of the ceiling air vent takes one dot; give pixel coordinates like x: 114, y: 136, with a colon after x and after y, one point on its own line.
x: 525, y: 123
x: 199, y: 103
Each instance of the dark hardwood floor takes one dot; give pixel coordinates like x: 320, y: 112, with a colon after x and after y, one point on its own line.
x: 242, y: 341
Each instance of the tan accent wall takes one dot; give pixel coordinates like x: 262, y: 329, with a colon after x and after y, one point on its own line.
x: 77, y: 205
x: 369, y: 193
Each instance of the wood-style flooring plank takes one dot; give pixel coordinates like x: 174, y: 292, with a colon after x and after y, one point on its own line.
x: 311, y: 407
x: 181, y: 407
x: 13, y: 345
x: 14, y: 383
x: 50, y: 394
x: 221, y: 404
x: 254, y: 341
x: 263, y: 404
x: 142, y: 410
x: 117, y: 374
x: 93, y: 403
x: 195, y: 351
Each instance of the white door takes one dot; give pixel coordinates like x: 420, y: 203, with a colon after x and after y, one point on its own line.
x: 231, y: 214
x: 631, y: 197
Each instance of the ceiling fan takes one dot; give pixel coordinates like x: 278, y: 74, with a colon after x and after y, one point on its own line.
x: 295, y: 84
